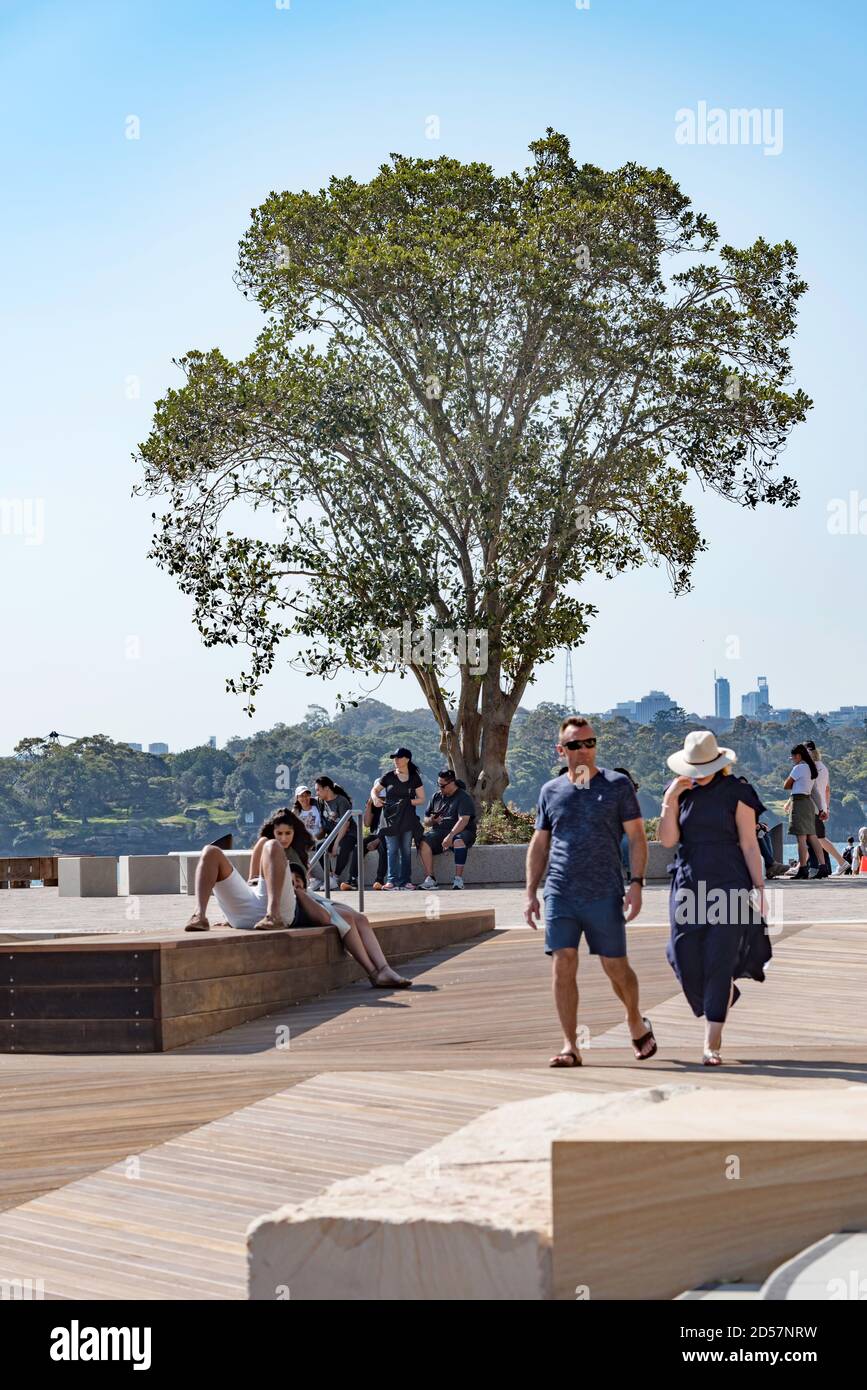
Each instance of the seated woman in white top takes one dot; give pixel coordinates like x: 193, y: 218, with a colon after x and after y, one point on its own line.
x: 802, y: 822
x: 266, y: 902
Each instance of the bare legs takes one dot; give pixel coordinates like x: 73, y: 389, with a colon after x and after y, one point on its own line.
x: 425, y: 854
x: 274, y: 869
x: 815, y: 843
x: 213, y: 867
x: 624, y: 982
x: 360, y: 941
x: 834, y: 853
x: 565, y: 985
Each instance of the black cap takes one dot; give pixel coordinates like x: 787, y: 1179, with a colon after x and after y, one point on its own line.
x: 447, y: 774
x: 402, y: 753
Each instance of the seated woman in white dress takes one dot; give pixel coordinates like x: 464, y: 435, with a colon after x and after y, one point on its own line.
x: 280, y: 853
x: 266, y: 901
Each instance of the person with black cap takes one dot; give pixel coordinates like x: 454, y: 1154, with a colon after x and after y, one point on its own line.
x: 398, y: 793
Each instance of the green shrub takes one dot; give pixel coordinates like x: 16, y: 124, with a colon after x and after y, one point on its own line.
x: 503, y: 825
x: 651, y: 827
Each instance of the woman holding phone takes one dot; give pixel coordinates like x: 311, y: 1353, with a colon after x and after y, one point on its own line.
x: 717, y: 905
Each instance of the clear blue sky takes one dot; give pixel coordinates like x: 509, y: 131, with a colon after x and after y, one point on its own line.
x: 118, y: 255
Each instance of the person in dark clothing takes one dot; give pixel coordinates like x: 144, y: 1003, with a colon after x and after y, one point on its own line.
x: 718, y: 933
x: 624, y: 843
x: 451, y: 820
x: 397, y: 794
x: 765, y: 847
x: 375, y: 841
x: 575, y: 848
x: 333, y: 802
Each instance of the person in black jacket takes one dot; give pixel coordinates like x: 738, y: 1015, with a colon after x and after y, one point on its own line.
x: 376, y: 841
x: 397, y: 793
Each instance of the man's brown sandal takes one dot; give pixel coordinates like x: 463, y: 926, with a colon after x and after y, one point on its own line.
x: 566, y: 1059
x: 198, y: 922
x: 639, y: 1043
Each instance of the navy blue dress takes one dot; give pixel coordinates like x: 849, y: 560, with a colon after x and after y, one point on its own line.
x: 716, y: 934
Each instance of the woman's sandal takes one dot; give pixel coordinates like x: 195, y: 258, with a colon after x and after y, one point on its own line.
x: 638, y: 1043
x: 269, y: 923
x: 711, y: 1057
x: 399, y: 982
x: 567, y: 1058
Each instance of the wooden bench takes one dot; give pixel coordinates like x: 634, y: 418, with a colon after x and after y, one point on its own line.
x: 19, y: 871
x: 140, y: 993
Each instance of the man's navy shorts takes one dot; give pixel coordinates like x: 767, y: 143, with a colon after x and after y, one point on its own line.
x: 602, y: 922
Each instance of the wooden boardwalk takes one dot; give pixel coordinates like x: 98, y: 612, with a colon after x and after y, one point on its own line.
x: 138, y: 1176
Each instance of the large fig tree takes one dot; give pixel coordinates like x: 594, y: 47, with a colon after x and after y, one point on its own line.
x: 471, y: 392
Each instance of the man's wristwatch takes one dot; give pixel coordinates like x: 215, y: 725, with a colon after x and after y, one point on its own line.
x: 636, y: 879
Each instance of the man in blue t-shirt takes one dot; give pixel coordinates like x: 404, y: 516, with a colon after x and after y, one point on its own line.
x: 579, y: 823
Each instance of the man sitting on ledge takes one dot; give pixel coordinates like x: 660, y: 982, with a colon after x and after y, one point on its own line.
x: 451, y: 821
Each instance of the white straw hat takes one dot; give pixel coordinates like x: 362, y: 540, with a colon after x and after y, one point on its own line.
x: 701, y: 755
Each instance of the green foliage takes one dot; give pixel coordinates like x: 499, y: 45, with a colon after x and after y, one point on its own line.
x: 98, y: 795
x: 505, y: 825
x: 472, y: 392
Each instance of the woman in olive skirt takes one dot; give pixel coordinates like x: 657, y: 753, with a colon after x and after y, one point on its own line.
x: 802, y: 824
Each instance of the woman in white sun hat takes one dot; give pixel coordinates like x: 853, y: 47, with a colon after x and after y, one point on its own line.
x: 717, y: 904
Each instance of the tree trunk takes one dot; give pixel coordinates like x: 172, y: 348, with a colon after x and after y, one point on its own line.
x: 476, y: 740
x: 493, y: 777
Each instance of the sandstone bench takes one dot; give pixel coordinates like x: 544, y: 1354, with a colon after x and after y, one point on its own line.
x: 635, y: 1195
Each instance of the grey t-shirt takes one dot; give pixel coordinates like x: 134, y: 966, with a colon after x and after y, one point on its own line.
x: 586, y: 826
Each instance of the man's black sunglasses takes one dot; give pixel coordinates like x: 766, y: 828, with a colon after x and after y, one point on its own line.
x: 579, y: 743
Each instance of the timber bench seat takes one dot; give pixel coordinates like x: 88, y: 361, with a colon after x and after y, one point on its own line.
x: 150, y: 992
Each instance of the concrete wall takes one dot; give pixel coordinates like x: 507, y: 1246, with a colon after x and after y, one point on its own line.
x: 187, y: 868
x: 139, y: 874
x: 87, y: 876
x: 487, y: 866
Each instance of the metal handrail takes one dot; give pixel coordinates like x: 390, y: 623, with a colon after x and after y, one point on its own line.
x: 325, y: 845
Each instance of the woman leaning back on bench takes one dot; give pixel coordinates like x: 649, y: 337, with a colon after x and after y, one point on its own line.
x: 275, y: 896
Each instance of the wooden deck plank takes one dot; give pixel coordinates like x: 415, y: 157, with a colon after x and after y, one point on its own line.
x: 224, y: 1130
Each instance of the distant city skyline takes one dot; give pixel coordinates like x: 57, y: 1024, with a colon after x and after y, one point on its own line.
x: 641, y: 710
x: 755, y: 704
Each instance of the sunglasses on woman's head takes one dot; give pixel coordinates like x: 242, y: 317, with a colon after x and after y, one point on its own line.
x: 579, y: 743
